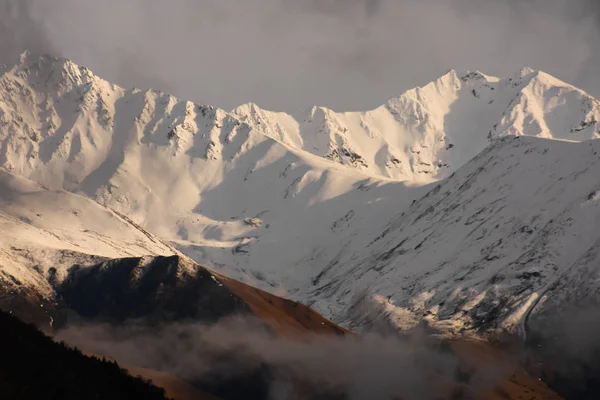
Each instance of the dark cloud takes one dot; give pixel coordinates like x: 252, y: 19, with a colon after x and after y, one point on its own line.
x: 290, y: 54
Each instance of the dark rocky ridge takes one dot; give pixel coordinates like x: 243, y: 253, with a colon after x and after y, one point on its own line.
x: 159, y: 290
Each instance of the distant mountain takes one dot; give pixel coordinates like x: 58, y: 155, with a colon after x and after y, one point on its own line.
x: 364, y: 216
x: 429, y: 132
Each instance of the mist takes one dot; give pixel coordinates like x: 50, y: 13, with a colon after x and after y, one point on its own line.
x: 290, y: 54
x: 571, y: 347
x: 367, y: 367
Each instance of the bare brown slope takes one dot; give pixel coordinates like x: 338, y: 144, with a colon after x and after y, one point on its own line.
x: 516, y: 384
x: 285, y: 317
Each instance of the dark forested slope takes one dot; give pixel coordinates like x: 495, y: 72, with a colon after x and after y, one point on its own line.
x: 34, y: 367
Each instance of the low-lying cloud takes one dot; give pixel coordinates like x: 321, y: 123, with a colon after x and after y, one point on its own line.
x: 365, y: 367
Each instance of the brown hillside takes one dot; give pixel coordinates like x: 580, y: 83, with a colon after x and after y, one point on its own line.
x: 285, y: 317
x: 517, y: 384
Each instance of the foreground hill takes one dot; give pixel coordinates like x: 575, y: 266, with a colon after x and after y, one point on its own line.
x: 33, y: 367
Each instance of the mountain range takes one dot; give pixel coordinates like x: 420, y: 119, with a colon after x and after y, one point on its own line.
x: 470, y: 204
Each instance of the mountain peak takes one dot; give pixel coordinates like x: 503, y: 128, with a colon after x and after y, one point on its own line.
x: 526, y: 71
x: 49, y: 74
x: 477, y: 76
x: 427, y: 132
x: 28, y: 60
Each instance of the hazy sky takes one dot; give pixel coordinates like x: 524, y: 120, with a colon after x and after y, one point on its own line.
x: 290, y: 54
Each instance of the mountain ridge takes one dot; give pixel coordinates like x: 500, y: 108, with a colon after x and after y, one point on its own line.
x: 425, y: 114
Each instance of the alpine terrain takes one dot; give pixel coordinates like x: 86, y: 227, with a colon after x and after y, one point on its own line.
x: 470, y: 205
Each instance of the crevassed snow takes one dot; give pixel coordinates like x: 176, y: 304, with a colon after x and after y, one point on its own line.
x: 306, y: 208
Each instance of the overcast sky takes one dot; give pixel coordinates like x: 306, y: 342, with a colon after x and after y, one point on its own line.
x: 290, y: 54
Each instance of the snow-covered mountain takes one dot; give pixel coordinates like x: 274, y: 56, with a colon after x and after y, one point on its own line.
x: 508, y: 241
x: 333, y: 210
x: 227, y: 194
x: 428, y: 132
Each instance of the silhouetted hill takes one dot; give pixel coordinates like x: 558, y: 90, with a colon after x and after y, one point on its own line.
x: 32, y: 366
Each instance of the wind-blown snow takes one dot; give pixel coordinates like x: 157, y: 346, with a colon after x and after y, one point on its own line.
x: 321, y: 209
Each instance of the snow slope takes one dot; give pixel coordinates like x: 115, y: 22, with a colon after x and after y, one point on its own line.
x: 296, y: 207
x: 45, y: 232
x: 227, y: 194
x: 487, y: 247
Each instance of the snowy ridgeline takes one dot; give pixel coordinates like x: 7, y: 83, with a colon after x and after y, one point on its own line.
x: 364, y: 215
